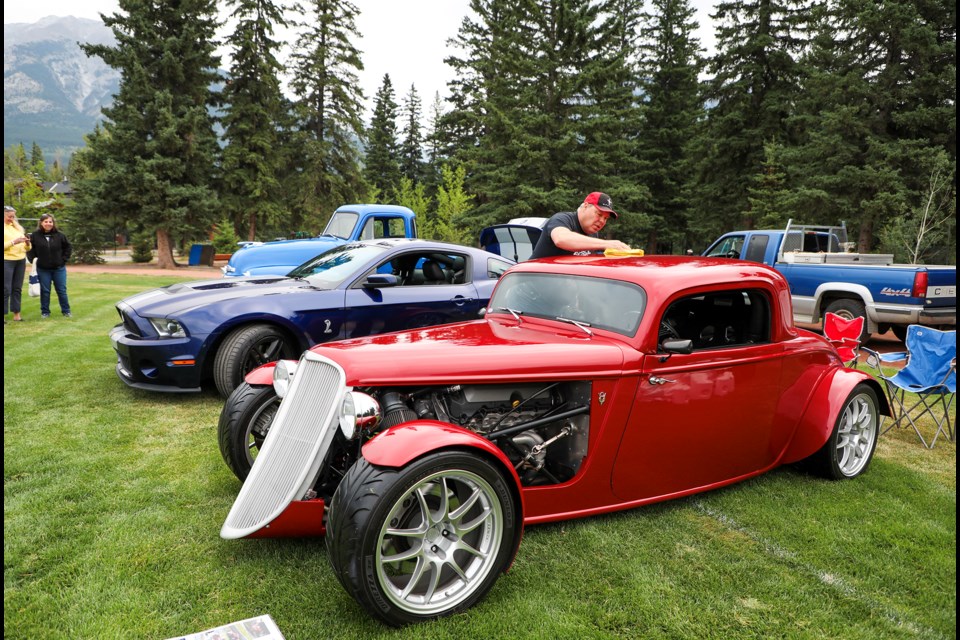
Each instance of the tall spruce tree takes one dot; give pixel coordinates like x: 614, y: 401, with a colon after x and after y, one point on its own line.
x: 671, y: 58
x: 328, y: 109
x: 754, y: 86
x: 157, y: 152
x: 252, y: 158
x: 879, y: 107
x: 382, y: 162
x: 412, y: 142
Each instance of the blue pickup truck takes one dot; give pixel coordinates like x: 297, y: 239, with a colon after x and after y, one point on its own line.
x: 348, y: 223
x: 825, y: 276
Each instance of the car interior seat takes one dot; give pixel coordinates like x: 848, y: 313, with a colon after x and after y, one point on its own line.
x: 433, y: 273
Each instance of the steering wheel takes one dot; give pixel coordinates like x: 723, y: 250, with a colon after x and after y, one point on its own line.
x: 667, y: 332
x: 732, y: 254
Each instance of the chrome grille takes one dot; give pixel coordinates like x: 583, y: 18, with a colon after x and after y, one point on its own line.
x: 294, y: 448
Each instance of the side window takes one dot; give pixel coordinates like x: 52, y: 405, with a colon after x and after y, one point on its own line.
x: 496, y: 268
x: 721, y: 319
x: 395, y: 228
x: 756, y: 248
x: 420, y: 269
x: 729, y: 247
x: 370, y: 229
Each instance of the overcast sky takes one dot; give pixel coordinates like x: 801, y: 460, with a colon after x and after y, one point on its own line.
x: 405, y: 38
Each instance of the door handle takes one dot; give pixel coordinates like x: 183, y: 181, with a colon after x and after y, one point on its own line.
x: 659, y: 380
x: 460, y: 300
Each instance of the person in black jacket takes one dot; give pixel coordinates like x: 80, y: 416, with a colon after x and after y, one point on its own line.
x: 52, y: 250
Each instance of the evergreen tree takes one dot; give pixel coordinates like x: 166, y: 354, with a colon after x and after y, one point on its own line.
x: 435, y: 143
x: 382, y: 165
x: 156, y: 154
x: 252, y: 156
x: 673, y: 108
x: 411, y: 147
x: 37, y: 164
x: 879, y: 103
x: 750, y: 96
x: 766, y: 193
x: 328, y: 110
x: 449, y: 222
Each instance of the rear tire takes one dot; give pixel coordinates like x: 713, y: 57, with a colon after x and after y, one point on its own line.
x: 244, y: 422
x: 849, y: 449
x: 424, y: 541
x: 848, y: 309
x: 246, y: 349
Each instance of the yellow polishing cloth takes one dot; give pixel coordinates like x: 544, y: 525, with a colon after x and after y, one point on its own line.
x: 610, y: 253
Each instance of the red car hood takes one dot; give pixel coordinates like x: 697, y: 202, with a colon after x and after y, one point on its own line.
x: 486, y: 350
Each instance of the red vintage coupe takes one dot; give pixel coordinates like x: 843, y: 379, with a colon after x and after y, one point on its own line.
x: 591, y: 384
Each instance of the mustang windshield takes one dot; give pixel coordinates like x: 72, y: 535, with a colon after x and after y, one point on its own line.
x: 587, y: 302
x: 332, y: 267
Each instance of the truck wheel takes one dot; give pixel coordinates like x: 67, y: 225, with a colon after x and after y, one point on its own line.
x: 848, y: 309
x: 244, y: 422
x: 246, y: 349
x: 423, y: 541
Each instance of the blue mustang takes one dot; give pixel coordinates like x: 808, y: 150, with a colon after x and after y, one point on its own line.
x: 175, y: 338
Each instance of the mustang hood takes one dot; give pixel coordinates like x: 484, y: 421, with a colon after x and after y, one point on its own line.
x: 477, y: 351
x: 177, y: 298
x: 285, y: 254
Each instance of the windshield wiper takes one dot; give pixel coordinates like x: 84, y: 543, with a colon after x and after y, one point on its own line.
x: 585, y: 326
x: 516, y: 314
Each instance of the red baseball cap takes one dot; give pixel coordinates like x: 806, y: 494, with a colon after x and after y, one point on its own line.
x: 601, y: 201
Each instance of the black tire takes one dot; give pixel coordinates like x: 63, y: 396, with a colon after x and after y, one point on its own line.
x: 900, y: 330
x: 848, y: 309
x: 849, y: 449
x: 373, y: 505
x: 244, y: 422
x: 246, y: 349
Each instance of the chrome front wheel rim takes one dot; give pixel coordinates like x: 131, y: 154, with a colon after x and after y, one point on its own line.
x: 856, y: 434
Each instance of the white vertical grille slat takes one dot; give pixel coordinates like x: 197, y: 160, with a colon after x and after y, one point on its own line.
x: 297, y: 441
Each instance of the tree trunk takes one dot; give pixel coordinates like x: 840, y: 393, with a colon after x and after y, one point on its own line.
x: 865, y: 241
x: 651, y: 243
x: 165, y: 251
x: 252, y: 233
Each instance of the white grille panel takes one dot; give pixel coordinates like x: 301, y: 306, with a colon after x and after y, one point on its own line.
x: 296, y: 444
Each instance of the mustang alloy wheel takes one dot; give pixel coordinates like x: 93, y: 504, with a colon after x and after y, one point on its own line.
x: 246, y: 349
x: 848, y: 451
x: 423, y: 541
x: 244, y: 422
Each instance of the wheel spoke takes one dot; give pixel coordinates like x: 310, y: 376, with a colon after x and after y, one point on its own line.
x: 414, y: 577
x: 465, y: 506
x: 415, y: 551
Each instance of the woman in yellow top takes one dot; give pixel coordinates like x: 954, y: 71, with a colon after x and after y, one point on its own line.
x: 15, y: 246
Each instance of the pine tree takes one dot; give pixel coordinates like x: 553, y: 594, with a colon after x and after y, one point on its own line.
x: 328, y: 110
x: 672, y: 109
x: 156, y: 154
x: 252, y: 156
x: 754, y: 86
x: 412, y: 143
x: 382, y: 165
x: 37, y: 164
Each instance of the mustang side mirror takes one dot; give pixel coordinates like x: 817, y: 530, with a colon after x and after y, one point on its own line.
x: 380, y: 280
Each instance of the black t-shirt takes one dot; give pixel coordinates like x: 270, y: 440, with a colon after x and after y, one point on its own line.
x: 545, y: 246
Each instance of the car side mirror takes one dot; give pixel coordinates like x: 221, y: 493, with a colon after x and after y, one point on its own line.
x: 677, y: 346
x: 380, y: 280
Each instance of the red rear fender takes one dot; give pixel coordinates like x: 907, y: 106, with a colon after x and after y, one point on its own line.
x: 824, y: 408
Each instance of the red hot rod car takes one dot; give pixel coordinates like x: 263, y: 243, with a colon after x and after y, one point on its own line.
x: 591, y: 384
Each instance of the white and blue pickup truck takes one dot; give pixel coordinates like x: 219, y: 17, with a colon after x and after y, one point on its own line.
x: 825, y: 276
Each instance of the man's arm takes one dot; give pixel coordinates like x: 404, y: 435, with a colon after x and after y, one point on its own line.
x: 572, y: 241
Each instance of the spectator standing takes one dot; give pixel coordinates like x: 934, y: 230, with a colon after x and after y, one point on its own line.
x: 16, y: 243
x: 52, y: 250
x: 578, y: 232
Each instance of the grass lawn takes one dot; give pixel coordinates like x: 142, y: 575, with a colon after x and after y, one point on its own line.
x: 114, y: 498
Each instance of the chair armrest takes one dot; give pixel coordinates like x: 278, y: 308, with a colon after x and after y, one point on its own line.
x: 894, y: 357
x: 873, y: 360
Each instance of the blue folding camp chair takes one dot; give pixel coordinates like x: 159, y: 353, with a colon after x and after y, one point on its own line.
x: 930, y: 373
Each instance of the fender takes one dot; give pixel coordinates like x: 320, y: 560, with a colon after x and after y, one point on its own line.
x: 824, y: 408
x: 262, y: 375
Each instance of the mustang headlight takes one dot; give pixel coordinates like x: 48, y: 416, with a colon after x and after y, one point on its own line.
x: 358, y: 411
x: 283, y: 374
x: 167, y: 328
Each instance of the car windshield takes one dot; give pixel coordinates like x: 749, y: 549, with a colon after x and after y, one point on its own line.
x: 341, y: 224
x: 591, y: 302
x: 331, y: 268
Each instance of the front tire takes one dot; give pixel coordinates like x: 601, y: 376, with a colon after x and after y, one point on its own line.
x: 244, y: 422
x: 424, y: 541
x: 246, y: 349
x: 849, y: 449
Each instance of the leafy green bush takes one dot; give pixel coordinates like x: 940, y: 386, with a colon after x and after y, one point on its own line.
x: 225, y: 238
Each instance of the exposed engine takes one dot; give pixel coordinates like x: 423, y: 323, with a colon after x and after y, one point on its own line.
x: 542, y: 427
